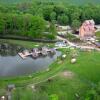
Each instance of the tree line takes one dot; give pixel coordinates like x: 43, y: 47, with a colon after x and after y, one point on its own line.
x: 30, y: 19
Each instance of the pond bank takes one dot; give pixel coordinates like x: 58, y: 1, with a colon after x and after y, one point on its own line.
x: 27, y: 39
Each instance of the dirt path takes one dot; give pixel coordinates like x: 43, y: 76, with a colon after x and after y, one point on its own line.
x: 77, y: 46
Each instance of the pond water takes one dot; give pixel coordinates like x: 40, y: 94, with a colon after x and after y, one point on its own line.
x: 11, y: 64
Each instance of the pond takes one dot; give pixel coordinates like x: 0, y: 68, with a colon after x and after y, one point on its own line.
x: 11, y: 64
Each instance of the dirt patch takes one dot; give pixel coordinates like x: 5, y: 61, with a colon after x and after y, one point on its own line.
x: 60, y: 62
x: 67, y: 74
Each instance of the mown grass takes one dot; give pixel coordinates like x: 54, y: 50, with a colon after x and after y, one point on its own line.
x: 59, y: 88
x: 86, y: 72
x: 66, y: 88
x: 98, y: 34
x: 26, y: 44
x: 87, y: 66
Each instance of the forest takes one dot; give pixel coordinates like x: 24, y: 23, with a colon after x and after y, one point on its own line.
x: 32, y: 18
x: 76, y: 2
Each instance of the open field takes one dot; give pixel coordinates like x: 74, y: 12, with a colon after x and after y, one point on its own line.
x: 26, y: 44
x: 80, y: 78
x: 66, y: 81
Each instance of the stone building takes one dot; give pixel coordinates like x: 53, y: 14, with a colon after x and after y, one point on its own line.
x: 87, y: 29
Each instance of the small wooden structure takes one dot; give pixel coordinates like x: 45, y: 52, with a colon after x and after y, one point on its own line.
x: 36, y: 52
x: 24, y: 54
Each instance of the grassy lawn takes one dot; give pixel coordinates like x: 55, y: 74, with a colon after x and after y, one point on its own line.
x: 60, y: 89
x: 66, y: 81
x: 98, y: 34
x: 87, y: 66
x: 26, y: 44
x: 72, y: 38
x: 85, y: 73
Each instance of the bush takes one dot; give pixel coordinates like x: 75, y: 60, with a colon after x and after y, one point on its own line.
x: 50, y: 36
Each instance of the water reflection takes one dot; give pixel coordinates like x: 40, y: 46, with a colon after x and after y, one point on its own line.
x: 9, y: 49
x: 12, y: 64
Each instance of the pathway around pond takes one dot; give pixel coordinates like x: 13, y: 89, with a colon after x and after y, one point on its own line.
x: 75, y: 45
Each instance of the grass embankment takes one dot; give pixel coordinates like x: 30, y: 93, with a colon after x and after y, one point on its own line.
x: 98, y: 34
x: 78, y: 79
x: 72, y: 38
x: 85, y: 74
x: 26, y: 44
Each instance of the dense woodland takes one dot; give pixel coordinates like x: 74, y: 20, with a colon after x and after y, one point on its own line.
x: 32, y: 18
x: 76, y: 2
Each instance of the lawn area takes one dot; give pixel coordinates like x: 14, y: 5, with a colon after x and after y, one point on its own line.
x: 63, y: 80
x: 98, y: 34
x: 58, y: 89
x: 26, y: 44
x: 87, y: 66
x: 83, y: 75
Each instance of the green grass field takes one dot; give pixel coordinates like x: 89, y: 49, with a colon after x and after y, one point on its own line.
x: 85, y: 74
x: 81, y: 78
x: 26, y: 44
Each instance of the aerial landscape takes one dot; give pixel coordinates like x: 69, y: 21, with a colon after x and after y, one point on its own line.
x: 49, y: 49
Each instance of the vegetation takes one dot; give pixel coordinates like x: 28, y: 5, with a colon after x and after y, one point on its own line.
x: 81, y: 82
x: 37, y: 19
x: 98, y: 34
x: 32, y: 18
x: 26, y: 44
x: 55, y: 1
x: 24, y: 25
x: 72, y: 38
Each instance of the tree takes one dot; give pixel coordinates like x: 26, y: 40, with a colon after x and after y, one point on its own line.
x: 26, y: 23
x: 2, y: 25
x: 59, y: 9
x: 52, y: 29
x: 88, y: 13
x: 76, y: 24
x: 37, y: 27
x: 53, y: 16
x: 63, y: 19
x: 39, y: 12
x: 74, y: 13
x: 47, y: 11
